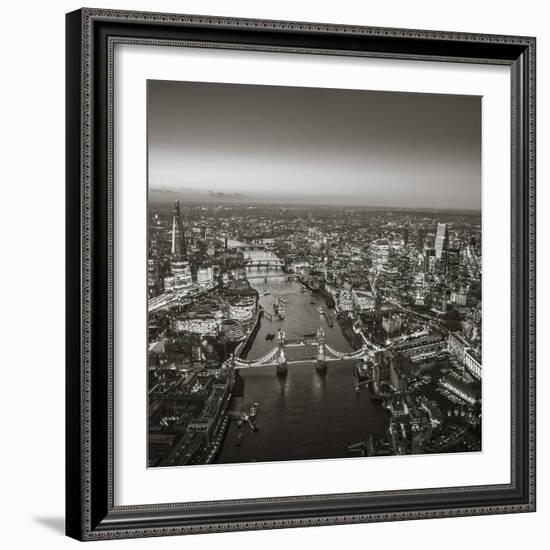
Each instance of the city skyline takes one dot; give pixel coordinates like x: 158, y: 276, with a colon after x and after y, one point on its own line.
x: 266, y: 144
x: 268, y: 323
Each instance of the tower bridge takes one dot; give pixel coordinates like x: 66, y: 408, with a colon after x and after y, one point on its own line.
x: 277, y: 357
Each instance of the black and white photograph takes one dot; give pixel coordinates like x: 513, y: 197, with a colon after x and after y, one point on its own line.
x: 314, y: 273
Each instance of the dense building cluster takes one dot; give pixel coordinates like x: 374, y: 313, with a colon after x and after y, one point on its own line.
x: 405, y: 287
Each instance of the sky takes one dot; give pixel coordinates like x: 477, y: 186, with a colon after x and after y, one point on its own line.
x: 255, y: 143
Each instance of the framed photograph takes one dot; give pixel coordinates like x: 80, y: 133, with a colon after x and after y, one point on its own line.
x: 300, y: 274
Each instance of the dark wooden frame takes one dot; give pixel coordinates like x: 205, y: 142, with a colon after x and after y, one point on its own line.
x: 90, y: 510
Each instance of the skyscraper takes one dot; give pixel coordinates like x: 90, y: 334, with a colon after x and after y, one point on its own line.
x: 441, y: 240
x: 380, y: 249
x: 180, y: 278
x: 420, y: 239
x: 179, y: 244
x: 429, y: 260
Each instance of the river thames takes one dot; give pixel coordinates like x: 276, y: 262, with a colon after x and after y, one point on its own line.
x: 305, y: 415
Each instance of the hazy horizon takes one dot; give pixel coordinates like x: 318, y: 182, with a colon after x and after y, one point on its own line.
x: 168, y: 196
x: 310, y: 146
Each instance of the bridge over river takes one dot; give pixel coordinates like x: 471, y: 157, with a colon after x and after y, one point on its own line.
x: 279, y: 358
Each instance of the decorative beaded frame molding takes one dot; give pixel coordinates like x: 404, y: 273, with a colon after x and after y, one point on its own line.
x: 91, y: 37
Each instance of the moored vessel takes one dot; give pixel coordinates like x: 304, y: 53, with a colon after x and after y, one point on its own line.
x: 253, y: 410
x: 362, y: 370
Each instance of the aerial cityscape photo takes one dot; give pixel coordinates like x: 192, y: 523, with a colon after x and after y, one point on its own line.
x: 314, y: 273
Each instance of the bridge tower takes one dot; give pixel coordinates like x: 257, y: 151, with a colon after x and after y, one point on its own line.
x: 282, y: 366
x: 321, y: 363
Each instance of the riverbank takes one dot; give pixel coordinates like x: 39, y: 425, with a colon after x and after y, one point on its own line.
x: 216, y: 445
x: 242, y: 352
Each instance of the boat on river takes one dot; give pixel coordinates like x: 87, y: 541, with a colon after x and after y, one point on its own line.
x: 279, y: 309
x: 253, y: 410
x: 362, y: 370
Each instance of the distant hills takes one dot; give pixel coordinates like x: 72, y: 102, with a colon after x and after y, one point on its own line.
x: 193, y: 195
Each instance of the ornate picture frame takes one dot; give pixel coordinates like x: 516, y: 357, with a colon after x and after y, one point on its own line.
x: 91, y: 511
